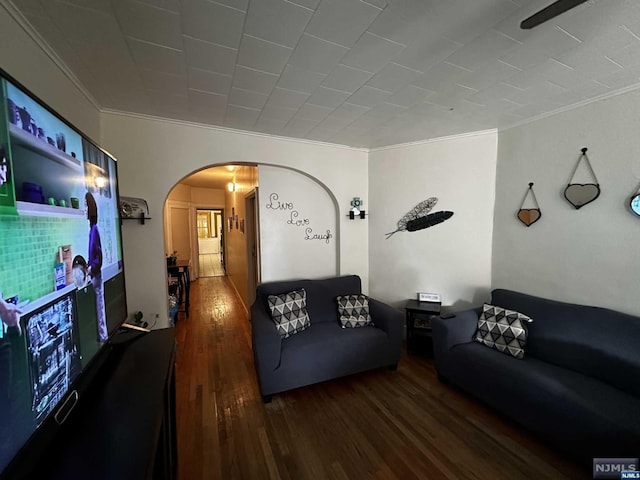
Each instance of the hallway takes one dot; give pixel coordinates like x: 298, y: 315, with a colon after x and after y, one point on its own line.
x: 209, y: 265
x: 380, y: 424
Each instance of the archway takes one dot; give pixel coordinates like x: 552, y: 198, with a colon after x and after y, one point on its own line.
x: 311, y: 196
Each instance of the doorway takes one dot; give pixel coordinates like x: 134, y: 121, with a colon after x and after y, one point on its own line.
x: 233, y: 191
x: 210, y: 228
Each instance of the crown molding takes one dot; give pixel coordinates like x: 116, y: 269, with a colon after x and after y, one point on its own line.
x: 573, y: 106
x: 458, y: 136
x: 228, y: 130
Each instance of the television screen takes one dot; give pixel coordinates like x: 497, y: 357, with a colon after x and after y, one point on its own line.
x: 62, y: 291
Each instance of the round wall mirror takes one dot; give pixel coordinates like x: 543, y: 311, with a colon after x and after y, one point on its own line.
x: 634, y: 203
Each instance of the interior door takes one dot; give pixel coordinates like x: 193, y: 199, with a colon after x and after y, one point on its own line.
x: 180, y: 236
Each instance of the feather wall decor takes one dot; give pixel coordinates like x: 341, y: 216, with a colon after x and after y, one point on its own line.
x: 428, y: 221
x: 419, y: 217
x: 420, y: 210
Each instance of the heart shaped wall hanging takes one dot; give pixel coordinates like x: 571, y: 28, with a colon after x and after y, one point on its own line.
x: 529, y: 216
x: 580, y: 194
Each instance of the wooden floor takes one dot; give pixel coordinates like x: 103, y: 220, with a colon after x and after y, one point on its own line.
x: 383, y: 424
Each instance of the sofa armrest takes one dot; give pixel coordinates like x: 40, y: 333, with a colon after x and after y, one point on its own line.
x: 387, y: 318
x: 265, y: 340
x: 450, y: 332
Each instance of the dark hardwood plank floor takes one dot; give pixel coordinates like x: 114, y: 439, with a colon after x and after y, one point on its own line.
x: 380, y: 424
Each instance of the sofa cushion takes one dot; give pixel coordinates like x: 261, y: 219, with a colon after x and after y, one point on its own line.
x: 354, y: 311
x: 595, y: 341
x: 566, y: 406
x: 329, y: 348
x: 321, y: 294
x: 502, y: 329
x: 289, y: 312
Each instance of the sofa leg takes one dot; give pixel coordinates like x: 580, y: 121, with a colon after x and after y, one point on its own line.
x: 267, y: 398
x: 393, y: 367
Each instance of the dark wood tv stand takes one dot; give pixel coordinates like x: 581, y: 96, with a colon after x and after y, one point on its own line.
x: 124, y: 427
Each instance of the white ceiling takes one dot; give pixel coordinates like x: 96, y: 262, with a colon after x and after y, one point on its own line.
x: 352, y: 72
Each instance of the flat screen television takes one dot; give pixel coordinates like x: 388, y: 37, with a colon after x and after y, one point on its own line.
x: 62, y: 288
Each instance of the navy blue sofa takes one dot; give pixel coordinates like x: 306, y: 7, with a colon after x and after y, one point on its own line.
x: 324, y: 350
x: 578, y: 385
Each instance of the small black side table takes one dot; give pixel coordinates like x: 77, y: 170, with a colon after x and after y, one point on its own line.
x: 180, y: 270
x: 418, y: 316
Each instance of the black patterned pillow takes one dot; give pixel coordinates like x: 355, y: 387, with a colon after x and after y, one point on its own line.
x: 354, y: 311
x: 289, y: 312
x: 502, y: 329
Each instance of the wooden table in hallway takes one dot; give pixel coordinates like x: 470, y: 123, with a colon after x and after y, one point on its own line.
x: 180, y: 271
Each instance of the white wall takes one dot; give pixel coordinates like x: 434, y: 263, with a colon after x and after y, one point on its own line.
x: 294, y: 211
x: 153, y: 155
x: 237, y: 255
x: 452, y: 258
x: 588, y: 256
x: 24, y: 60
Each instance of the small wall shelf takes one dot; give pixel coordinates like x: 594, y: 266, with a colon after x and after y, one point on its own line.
x: 132, y: 208
x: 141, y: 218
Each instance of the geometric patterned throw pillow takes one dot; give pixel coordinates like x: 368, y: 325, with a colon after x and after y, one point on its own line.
x: 354, y: 311
x: 289, y: 312
x: 502, y: 329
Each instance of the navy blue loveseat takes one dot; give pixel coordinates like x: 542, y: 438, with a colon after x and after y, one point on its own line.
x: 324, y: 350
x: 578, y: 385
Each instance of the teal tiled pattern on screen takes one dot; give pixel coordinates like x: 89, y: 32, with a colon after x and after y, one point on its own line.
x: 29, y: 248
